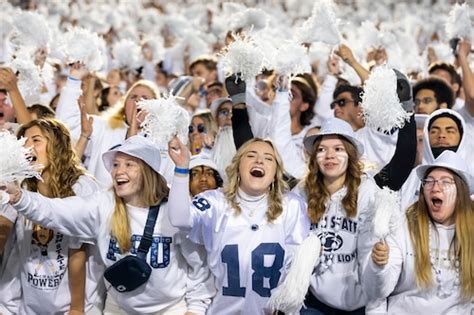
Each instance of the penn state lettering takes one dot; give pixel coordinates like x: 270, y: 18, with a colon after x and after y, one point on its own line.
x: 159, y: 251
x: 346, y: 224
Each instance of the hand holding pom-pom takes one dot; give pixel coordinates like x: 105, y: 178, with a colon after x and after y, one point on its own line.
x: 236, y: 88
x: 380, y: 254
x: 78, y: 71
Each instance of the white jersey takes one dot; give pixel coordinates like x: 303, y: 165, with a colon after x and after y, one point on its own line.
x: 340, y: 286
x: 43, y: 272
x: 178, y: 269
x: 247, y: 255
x: 396, y: 280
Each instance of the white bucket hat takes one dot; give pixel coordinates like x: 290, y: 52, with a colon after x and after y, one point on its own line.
x: 451, y: 161
x: 136, y: 146
x: 218, y: 102
x: 334, y: 126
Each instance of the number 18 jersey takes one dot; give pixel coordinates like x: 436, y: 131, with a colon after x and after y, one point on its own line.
x: 247, y: 255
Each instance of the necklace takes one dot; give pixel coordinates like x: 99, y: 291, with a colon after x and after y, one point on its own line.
x: 441, y: 290
x: 328, y: 259
x: 251, y: 203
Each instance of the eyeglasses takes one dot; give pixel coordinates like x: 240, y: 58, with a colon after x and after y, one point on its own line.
x: 429, y: 183
x: 341, y: 103
x: 200, y: 128
x: 224, y: 112
x: 424, y: 100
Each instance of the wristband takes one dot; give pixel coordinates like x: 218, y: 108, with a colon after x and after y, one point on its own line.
x: 179, y: 170
x: 73, y: 79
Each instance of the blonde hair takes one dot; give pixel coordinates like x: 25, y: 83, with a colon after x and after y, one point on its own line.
x: 316, y: 190
x: 116, y: 114
x: 276, y: 190
x: 64, y: 168
x: 154, y: 192
x: 462, y: 246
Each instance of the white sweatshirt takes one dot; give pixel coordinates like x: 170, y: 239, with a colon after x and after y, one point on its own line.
x: 396, y: 280
x: 247, y: 255
x: 178, y: 265
x: 42, y: 271
x: 340, y: 285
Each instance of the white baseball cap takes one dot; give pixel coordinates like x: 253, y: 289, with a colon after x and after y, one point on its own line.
x: 136, y: 146
x: 334, y: 126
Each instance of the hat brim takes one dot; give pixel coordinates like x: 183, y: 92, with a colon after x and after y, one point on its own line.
x: 468, y: 179
x: 309, y: 141
x: 108, y: 159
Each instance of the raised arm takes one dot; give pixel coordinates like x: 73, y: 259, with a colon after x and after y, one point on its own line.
x: 467, y: 75
x: 8, y: 81
x: 179, y: 200
x: 346, y: 54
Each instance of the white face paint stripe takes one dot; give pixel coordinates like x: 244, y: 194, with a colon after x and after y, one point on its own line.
x: 450, y: 192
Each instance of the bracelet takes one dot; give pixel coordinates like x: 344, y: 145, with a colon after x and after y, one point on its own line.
x: 179, y: 170
x: 73, y: 78
x: 83, y: 136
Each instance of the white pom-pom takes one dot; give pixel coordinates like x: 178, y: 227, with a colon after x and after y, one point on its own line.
x: 381, y: 106
x: 369, y: 35
x: 242, y: 56
x: 289, y: 296
x: 224, y: 149
x: 30, y: 29
x: 157, y: 48
x: 249, y: 19
x: 127, y: 54
x: 290, y: 58
x: 321, y: 26
x: 387, y: 213
x: 81, y: 45
x: 14, y: 163
x: 30, y: 81
x: 165, y: 120
x: 458, y: 23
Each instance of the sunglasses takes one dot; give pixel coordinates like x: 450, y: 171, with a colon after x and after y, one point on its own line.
x: 200, y: 128
x: 224, y: 112
x: 341, y: 103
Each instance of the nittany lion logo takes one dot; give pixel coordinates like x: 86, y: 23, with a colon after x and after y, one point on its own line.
x: 331, y: 238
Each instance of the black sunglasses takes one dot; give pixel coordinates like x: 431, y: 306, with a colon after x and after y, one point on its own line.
x: 341, y: 103
x: 200, y: 128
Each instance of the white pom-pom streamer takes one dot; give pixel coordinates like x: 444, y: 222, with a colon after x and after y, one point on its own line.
x: 242, y: 56
x: 81, y: 45
x: 291, y: 58
x: 30, y: 81
x: 157, y: 47
x: 14, y: 163
x: 387, y: 213
x: 224, y: 149
x: 30, y: 29
x: 458, y: 23
x: 381, y: 106
x: 165, y: 120
x: 249, y: 19
x: 321, y: 26
x: 127, y: 54
x: 289, y: 296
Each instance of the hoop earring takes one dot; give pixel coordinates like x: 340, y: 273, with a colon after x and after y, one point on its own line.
x: 272, y: 186
x: 238, y: 179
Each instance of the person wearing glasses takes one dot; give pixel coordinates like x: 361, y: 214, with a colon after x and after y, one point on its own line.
x: 431, y: 94
x: 202, y: 132
x: 426, y: 266
x: 221, y: 110
x: 346, y: 105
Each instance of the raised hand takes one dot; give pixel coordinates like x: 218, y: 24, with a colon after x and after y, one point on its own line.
x: 78, y: 71
x: 179, y: 153
x: 8, y: 79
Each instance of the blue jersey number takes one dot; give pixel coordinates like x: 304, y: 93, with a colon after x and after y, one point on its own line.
x: 201, y: 203
x: 230, y: 256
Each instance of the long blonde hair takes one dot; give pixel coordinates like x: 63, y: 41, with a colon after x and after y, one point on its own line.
x: 316, y: 190
x: 276, y: 190
x: 462, y: 246
x: 154, y: 191
x: 116, y: 115
x: 64, y: 168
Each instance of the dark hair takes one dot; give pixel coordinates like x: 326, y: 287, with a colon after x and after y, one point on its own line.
x: 441, y: 65
x: 104, y: 104
x: 208, y: 62
x: 41, y: 111
x: 355, y: 92
x: 309, y: 94
x: 447, y: 115
x: 442, y: 91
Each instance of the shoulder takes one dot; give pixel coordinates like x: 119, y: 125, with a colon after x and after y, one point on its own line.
x: 293, y: 198
x: 209, y: 199
x: 85, y: 185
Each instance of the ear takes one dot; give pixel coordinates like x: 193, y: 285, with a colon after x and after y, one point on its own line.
x: 303, y: 107
x: 455, y: 87
x: 443, y: 105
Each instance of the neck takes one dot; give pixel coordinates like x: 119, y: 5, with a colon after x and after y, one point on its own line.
x: 334, y: 184
x: 250, y: 195
x: 296, y: 127
x: 135, y: 202
x: 44, y: 186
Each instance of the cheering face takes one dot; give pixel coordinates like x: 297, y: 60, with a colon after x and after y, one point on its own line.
x: 138, y: 93
x: 128, y: 179
x: 257, y: 168
x: 439, y: 190
x: 332, y: 158
x: 202, y: 178
x: 37, y: 140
